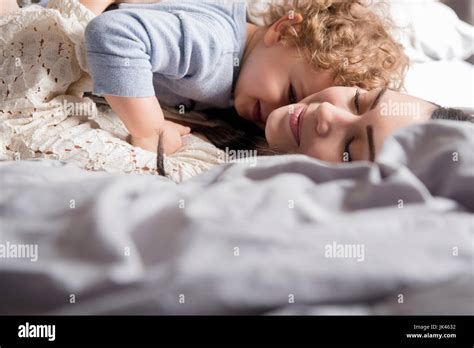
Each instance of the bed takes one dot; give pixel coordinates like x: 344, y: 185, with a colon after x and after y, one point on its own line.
x: 241, y: 239
x: 291, y: 235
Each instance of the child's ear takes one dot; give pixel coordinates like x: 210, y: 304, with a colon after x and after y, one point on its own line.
x: 274, y: 32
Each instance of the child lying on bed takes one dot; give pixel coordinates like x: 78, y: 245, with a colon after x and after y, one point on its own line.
x: 199, y: 55
x: 45, y: 114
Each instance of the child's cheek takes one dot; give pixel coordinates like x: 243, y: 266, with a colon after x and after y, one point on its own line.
x: 268, y: 81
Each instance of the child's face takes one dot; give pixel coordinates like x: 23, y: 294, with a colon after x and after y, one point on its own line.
x: 273, y: 75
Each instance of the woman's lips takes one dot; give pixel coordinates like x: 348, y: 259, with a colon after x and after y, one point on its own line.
x: 256, y: 113
x: 295, y: 118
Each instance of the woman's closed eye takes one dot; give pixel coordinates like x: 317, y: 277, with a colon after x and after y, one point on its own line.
x: 346, y: 155
x: 357, y: 101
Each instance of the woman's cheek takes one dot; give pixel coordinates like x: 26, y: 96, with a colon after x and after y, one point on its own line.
x: 271, y: 131
x: 274, y: 131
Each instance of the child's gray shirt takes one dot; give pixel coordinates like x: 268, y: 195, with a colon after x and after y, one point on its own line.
x: 186, y: 53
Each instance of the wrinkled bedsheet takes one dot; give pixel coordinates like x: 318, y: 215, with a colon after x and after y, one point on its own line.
x: 243, y: 239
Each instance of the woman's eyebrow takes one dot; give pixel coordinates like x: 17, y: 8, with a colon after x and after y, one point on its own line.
x: 370, y: 140
x: 377, y: 98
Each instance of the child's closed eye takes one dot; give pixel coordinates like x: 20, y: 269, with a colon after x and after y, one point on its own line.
x: 291, y: 95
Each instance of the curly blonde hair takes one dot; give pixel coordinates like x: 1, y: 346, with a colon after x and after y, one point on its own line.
x: 345, y: 37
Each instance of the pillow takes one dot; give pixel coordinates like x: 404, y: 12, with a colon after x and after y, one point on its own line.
x: 448, y: 83
x: 430, y: 30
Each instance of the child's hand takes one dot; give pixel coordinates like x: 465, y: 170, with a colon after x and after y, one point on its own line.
x: 172, y: 134
x: 145, y: 122
x: 171, y: 141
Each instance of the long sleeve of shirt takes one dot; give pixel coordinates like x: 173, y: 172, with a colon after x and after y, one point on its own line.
x: 181, y: 52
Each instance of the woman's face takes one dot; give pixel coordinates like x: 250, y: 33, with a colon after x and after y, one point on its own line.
x: 343, y: 124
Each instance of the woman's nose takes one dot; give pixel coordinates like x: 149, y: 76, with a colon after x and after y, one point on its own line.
x: 324, y: 118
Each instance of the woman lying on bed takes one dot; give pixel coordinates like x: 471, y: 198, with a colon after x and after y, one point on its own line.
x: 338, y: 124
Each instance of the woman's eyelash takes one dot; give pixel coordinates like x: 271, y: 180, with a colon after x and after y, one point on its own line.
x: 346, y: 151
x: 291, y: 95
x: 348, y: 143
x: 356, y: 101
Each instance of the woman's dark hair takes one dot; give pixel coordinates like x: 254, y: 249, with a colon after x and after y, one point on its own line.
x: 231, y: 132
x: 442, y: 113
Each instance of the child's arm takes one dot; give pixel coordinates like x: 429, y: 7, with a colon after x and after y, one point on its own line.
x: 125, y: 48
x: 8, y: 6
x: 143, y: 117
x: 97, y: 6
x: 144, y: 120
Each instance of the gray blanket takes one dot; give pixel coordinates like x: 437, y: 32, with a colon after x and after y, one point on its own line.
x: 292, y: 235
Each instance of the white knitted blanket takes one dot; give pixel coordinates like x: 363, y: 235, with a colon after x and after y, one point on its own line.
x: 43, y: 110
